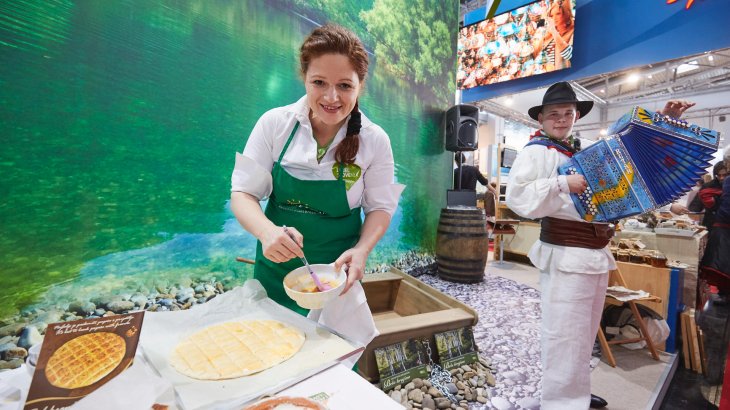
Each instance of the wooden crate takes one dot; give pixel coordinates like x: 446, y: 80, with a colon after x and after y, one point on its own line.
x: 403, y: 308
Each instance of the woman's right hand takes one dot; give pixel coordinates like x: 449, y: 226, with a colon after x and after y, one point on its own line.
x: 281, y: 244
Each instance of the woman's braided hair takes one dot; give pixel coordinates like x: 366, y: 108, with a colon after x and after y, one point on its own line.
x: 334, y: 39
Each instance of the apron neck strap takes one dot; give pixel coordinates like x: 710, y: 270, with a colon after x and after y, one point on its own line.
x: 288, y: 141
x: 294, y: 131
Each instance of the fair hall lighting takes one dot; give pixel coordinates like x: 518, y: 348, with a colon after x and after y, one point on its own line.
x: 689, y: 66
x: 508, y: 102
x: 649, y: 76
x: 632, y: 78
x: 603, y: 132
x: 602, y: 90
x: 710, y: 58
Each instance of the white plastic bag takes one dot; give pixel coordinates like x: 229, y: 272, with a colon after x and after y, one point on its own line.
x: 658, y: 331
x: 350, y: 316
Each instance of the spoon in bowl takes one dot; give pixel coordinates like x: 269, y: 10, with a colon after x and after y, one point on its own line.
x: 322, y: 287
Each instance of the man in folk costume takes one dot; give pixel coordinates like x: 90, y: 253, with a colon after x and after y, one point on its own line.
x: 572, y: 255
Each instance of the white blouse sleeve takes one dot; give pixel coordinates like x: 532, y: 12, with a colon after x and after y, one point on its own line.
x: 531, y: 192
x: 380, y: 192
x: 251, y: 178
x: 252, y: 172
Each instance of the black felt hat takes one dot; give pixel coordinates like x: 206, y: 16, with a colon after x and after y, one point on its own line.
x: 561, y: 93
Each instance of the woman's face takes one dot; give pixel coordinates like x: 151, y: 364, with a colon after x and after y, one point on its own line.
x: 332, y: 88
x: 560, y: 13
x: 721, y: 175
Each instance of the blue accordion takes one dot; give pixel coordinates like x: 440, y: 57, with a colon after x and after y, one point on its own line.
x: 648, y: 161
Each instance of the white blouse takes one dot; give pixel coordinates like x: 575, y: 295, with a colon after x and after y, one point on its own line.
x: 536, y: 190
x: 374, y: 190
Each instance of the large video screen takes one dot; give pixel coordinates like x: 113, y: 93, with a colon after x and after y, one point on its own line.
x: 533, y: 39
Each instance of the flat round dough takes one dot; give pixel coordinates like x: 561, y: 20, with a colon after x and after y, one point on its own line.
x: 84, y: 360
x: 234, y: 349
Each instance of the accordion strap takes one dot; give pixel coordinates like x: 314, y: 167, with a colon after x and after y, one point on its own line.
x: 539, y: 139
x: 578, y: 234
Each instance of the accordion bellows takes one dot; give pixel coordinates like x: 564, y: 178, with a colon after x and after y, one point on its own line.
x: 648, y: 161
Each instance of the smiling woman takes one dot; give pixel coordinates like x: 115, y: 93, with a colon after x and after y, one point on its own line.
x: 319, y: 161
x: 332, y: 90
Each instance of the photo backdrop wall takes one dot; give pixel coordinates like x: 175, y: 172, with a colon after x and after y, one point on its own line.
x: 120, y: 120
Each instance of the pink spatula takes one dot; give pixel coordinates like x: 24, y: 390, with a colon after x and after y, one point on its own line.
x: 320, y: 286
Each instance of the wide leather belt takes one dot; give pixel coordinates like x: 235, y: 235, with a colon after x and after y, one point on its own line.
x: 575, y: 233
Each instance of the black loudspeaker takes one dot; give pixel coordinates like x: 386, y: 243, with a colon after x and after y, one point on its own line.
x: 461, y: 128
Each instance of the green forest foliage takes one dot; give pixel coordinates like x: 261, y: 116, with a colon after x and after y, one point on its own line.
x: 415, y: 39
x: 343, y: 12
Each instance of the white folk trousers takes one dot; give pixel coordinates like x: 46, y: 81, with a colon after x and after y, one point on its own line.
x: 572, y: 304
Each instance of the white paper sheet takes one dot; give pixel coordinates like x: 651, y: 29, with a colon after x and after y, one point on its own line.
x: 623, y: 294
x: 345, y: 389
x: 14, y: 386
x: 163, y: 331
x: 148, y: 389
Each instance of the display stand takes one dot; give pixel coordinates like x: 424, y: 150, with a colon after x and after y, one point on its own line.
x: 457, y: 197
x: 501, y: 227
x: 498, y: 224
x: 527, y: 232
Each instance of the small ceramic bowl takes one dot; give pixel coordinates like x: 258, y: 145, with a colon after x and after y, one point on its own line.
x: 300, y: 286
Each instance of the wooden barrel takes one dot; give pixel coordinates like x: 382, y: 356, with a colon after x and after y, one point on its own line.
x: 462, y: 245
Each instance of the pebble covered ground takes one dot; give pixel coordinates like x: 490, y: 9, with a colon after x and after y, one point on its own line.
x: 508, y: 332
x: 469, y: 387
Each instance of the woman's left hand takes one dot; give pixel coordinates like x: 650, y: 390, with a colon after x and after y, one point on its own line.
x: 355, y: 259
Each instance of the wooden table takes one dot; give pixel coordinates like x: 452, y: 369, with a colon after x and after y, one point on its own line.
x: 499, y: 228
x: 517, y: 246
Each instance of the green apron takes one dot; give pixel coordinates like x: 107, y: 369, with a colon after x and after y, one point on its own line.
x: 317, y: 209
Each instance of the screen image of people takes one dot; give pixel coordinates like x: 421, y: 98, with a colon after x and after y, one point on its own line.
x: 534, y: 39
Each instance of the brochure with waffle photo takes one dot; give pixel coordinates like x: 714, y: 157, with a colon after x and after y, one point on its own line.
x: 78, y: 357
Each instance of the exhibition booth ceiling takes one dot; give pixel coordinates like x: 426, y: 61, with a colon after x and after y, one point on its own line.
x: 682, y: 77
x: 624, y: 54
x: 702, y: 78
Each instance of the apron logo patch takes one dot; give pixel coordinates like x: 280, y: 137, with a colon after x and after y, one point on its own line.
x: 351, y: 173
x: 298, y: 206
